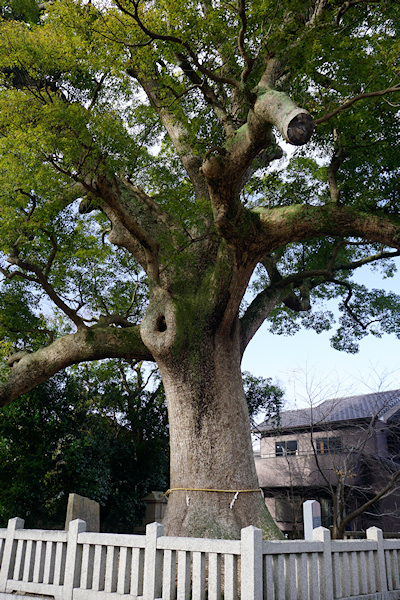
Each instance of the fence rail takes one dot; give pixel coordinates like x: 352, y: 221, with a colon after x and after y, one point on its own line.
x: 80, y: 565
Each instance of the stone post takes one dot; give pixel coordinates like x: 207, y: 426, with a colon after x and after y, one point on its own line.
x: 251, y: 551
x: 85, y: 509
x: 321, y: 534
x: 72, y: 563
x: 311, y: 517
x: 9, y: 551
x: 373, y: 533
x: 152, y: 583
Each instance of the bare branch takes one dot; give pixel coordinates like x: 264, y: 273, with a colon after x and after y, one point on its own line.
x: 245, y: 55
x: 349, y: 310
x: 349, y: 4
x: 367, y: 260
x: 52, y: 254
x: 208, y: 93
x: 42, y: 279
x: 176, y: 40
x: 97, y: 91
x: 349, y: 102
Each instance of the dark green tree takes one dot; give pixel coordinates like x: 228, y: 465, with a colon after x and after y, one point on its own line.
x: 64, y: 437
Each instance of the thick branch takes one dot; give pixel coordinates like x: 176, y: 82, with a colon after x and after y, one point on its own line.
x: 337, y: 159
x: 109, y: 193
x: 176, y: 131
x: 88, y: 344
x: 161, y: 215
x: 256, y: 313
x: 294, y: 223
x: 226, y: 171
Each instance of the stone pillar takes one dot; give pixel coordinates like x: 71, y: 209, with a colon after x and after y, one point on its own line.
x: 72, y: 559
x: 375, y: 534
x: 156, y: 503
x: 85, y: 509
x: 311, y: 517
x: 9, y: 551
x: 152, y: 584
x: 251, y: 564
x: 321, y: 534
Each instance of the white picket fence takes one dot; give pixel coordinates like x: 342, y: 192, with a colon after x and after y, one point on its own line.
x: 79, y: 565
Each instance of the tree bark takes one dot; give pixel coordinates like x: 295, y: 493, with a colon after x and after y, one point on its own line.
x: 214, y: 489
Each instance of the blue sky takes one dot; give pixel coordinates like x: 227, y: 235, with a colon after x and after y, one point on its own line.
x: 306, y: 364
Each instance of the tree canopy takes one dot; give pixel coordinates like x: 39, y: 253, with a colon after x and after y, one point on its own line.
x: 141, y: 167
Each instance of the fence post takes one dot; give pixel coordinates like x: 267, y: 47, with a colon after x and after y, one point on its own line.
x: 9, y: 551
x: 374, y: 533
x: 251, y: 564
x: 72, y: 566
x: 321, y: 534
x: 152, y: 583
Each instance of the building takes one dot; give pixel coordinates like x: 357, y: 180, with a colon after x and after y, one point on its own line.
x: 341, y: 453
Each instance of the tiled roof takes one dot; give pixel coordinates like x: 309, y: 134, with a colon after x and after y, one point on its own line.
x: 381, y: 404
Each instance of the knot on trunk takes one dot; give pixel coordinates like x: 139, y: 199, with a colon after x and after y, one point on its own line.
x: 158, y: 328
x: 15, y: 358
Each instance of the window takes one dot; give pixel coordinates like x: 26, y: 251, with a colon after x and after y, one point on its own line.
x: 286, y: 448
x: 332, y: 445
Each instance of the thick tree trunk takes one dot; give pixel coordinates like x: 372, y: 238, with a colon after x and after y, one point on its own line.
x: 211, y: 447
x: 214, y: 486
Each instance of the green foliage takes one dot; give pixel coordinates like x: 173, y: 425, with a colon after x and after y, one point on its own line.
x: 264, y: 399
x: 70, y: 435
x: 74, y: 110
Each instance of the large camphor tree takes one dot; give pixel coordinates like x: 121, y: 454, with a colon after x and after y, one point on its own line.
x: 141, y: 166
